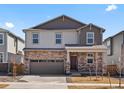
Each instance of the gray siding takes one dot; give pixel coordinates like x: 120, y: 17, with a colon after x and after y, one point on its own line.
x: 117, y: 42
x: 97, y: 35
x: 60, y: 23
x: 3, y: 48
x: 15, y: 57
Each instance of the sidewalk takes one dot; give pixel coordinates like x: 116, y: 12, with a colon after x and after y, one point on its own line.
x: 33, y: 85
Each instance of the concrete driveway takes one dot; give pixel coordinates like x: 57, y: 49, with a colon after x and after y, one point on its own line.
x: 39, y: 82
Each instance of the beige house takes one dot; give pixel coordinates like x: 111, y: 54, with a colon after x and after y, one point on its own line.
x: 10, y: 46
x: 64, y: 45
x: 115, y: 52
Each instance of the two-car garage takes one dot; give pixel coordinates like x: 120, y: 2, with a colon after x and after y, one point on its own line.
x: 46, y: 67
x: 45, y: 61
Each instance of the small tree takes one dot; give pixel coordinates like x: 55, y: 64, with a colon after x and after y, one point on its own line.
x: 120, y: 71
x: 96, y: 69
x: 14, y: 68
x: 90, y: 72
x: 109, y: 80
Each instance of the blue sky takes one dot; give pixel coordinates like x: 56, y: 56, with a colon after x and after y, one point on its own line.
x: 18, y: 17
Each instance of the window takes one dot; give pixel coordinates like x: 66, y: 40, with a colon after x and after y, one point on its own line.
x: 43, y: 60
x: 51, y: 60
x: 90, y: 58
x: 59, y: 60
x: 35, y: 38
x: 47, y: 60
x: 33, y: 60
x: 108, y: 44
x: 58, y: 38
x: 90, y: 38
x: 1, y: 57
x: 1, y: 39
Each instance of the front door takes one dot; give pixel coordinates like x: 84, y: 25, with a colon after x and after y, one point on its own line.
x: 73, y: 62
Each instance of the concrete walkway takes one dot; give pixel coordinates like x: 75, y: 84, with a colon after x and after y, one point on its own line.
x: 36, y: 86
x: 39, y: 82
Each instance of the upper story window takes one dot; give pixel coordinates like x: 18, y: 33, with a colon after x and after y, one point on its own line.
x: 90, y: 38
x: 58, y: 38
x: 35, y: 38
x: 90, y: 58
x: 1, y: 39
x: 108, y: 44
x: 1, y: 57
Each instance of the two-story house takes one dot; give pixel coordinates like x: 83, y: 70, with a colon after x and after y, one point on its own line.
x: 63, y: 45
x: 11, y: 48
x: 115, y: 50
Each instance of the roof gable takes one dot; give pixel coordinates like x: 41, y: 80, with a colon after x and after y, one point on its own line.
x: 10, y: 33
x: 61, y: 22
x: 91, y: 25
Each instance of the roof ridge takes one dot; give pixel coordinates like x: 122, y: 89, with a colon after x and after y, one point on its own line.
x: 57, y: 18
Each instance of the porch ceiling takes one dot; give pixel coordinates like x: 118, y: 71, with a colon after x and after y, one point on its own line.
x: 95, y: 48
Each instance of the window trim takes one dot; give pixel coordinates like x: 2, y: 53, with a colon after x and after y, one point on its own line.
x: 90, y: 38
x: 58, y: 38
x: 90, y: 58
x: 3, y: 38
x: 33, y: 38
x: 3, y: 57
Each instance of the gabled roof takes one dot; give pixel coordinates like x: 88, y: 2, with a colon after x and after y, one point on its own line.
x: 66, y: 22
x: 7, y: 31
x: 59, y: 17
x: 114, y: 35
x: 91, y: 25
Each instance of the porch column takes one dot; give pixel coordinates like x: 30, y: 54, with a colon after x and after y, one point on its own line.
x: 104, y: 70
x: 96, y: 62
x: 68, y: 63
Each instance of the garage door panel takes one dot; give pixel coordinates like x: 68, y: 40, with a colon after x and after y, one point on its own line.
x: 47, y: 68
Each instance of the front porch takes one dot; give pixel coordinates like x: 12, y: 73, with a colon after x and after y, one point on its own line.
x: 85, y: 60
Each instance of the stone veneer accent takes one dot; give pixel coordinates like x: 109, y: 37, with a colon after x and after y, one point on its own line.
x: 84, y: 67
x: 42, y: 54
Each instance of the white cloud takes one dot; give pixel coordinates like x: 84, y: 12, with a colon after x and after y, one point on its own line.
x: 111, y: 7
x: 48, y: 16
x: 9, y: 24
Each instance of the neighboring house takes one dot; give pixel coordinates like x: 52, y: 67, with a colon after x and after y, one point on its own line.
x: 115, y: 52
x: 64, y: 45
x: 11, y: 48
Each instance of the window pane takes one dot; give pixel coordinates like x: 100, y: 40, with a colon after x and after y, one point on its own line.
x: 1, y: 41
x: 58, y: 35
x: 90, y: 55
x: 35, y: 35
x: 90, y: 40
x: 90, y: 35
x: 33, y: 60
x: 43, y: 60
x: 1, y: 57
x: 1, y: 36
x: 58, y: 41
x: 60, y: 60
x: 51, y: 60
x: 89, y: 60
x: 35, y: 40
